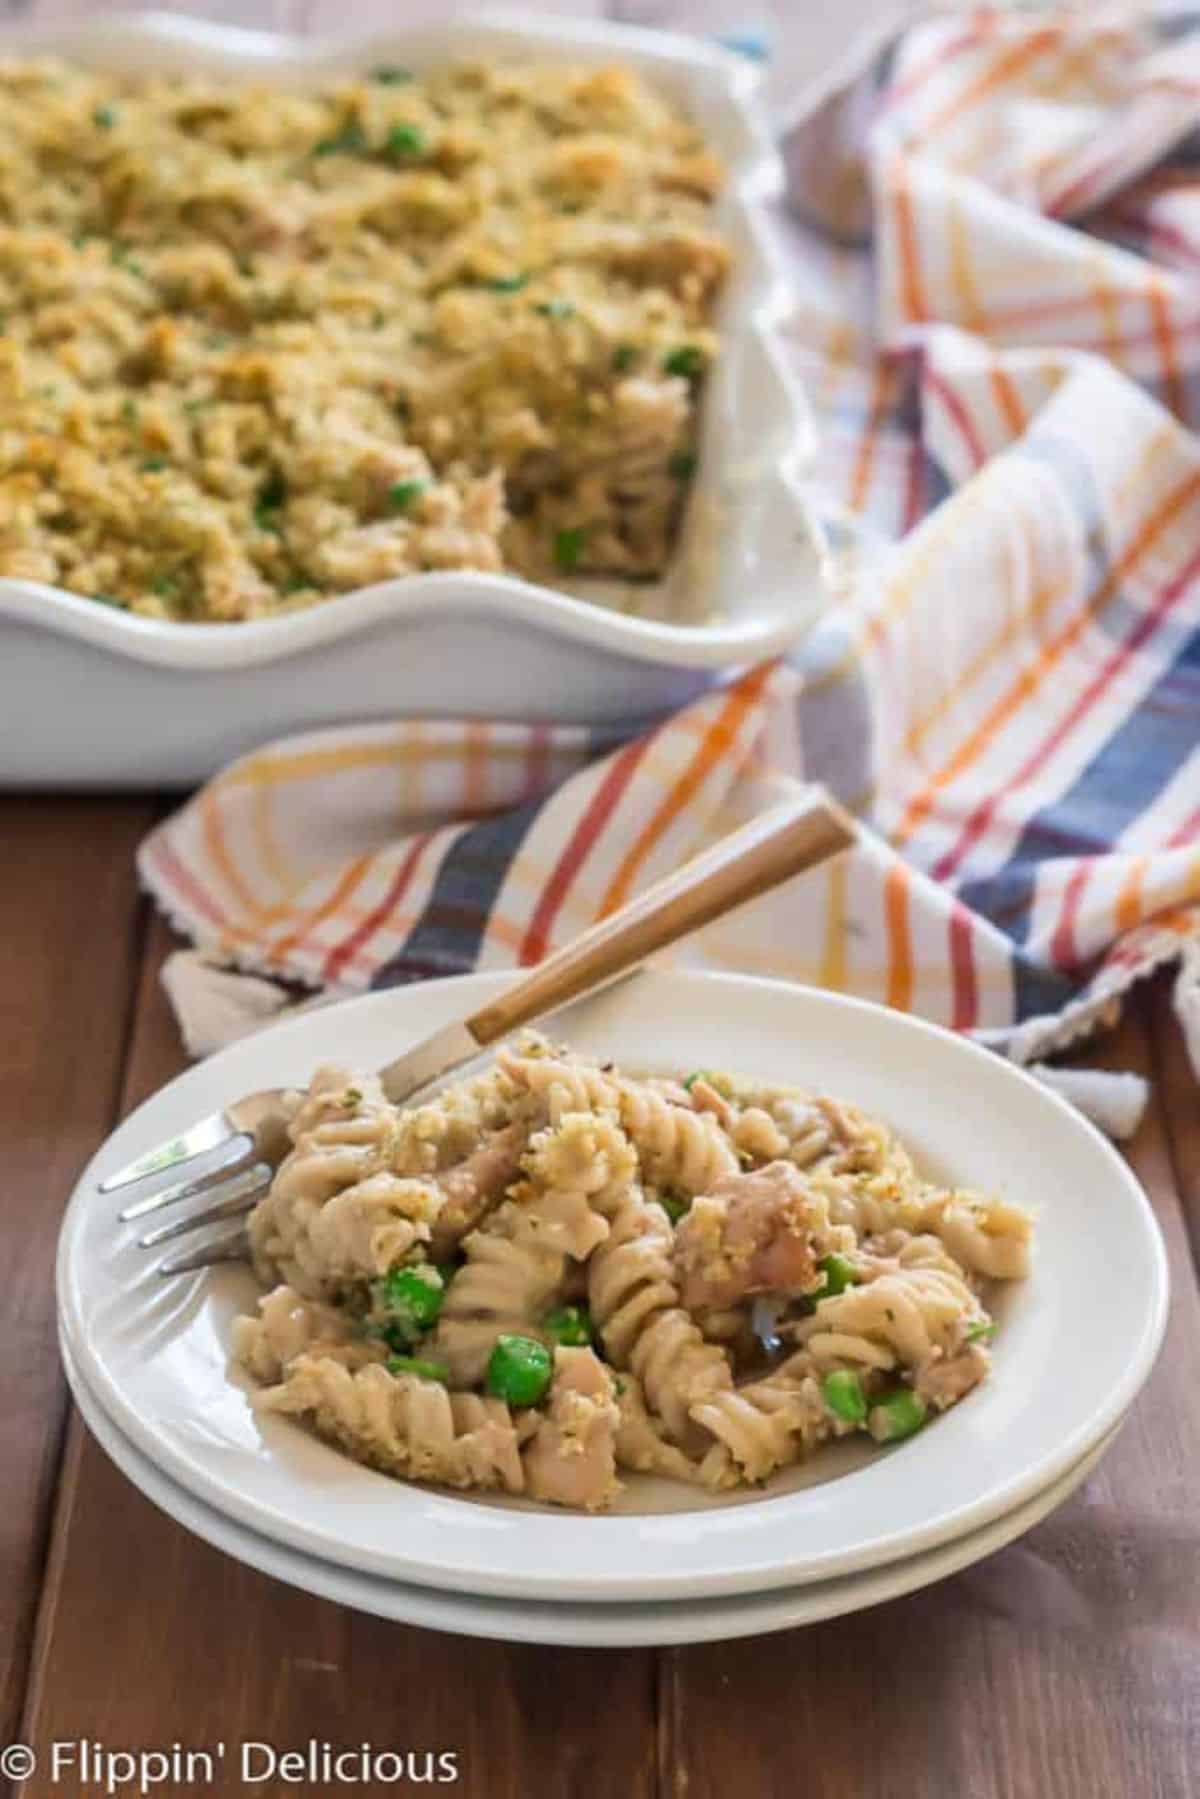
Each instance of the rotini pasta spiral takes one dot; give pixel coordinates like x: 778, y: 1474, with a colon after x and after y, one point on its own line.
x: 642, y: 1445
x: 286, y: 1326
x: 635, y: 1304
x: 986, y: 1236
x: 677, y: 1148
x: 507, y: 1282
x: 402, y: 1424
x: 364, y: 1230
x: 767, y: 1424
x: 905, y: 1318
x: 560, y: 1086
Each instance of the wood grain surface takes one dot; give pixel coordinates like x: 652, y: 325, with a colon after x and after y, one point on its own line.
x: 1067, y: 1666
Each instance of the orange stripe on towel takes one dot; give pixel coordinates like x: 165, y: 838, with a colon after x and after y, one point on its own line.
x: 717, y: 741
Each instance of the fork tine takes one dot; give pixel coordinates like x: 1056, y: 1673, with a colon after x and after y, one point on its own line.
x: 233, y: 1247
x: 186, y: 1189
x: 235, y: 1196
x: 208, y: 1133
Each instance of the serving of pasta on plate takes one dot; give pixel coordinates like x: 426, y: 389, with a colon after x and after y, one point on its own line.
x: 555, y: 1272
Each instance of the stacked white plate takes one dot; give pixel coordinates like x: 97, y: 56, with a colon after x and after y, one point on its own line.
x: 148, y: 1359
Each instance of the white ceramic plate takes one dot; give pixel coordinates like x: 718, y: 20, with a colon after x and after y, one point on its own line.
x: 1077, y: 1339
x: 590, y: 1626
x: 152, y: 700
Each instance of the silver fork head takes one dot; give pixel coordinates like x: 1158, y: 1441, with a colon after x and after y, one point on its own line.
x: 233, y: 1246
x: 259, y: 1117
x: 228, y: 1159
x: 231, y: 1198
x: 237, y: 1152
x: 202, y: 1137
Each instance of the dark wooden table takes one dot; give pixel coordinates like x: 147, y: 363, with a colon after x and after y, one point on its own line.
x: 1066, y: 1665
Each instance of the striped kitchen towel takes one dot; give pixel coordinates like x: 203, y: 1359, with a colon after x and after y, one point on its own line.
x: 994, y: 235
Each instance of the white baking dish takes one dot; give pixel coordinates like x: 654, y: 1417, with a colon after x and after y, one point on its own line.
x: 93, y: 696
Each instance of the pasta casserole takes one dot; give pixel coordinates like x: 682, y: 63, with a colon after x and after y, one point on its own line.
x: 260, y: 346
x: 554, y: 1272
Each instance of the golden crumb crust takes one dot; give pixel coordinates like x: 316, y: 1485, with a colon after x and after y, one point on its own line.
x: 262, y: 346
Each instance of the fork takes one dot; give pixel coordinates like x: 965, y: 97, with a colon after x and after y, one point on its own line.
x: 230, y: 1157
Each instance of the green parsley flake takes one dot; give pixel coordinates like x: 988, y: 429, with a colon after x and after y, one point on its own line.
x: 686, y: 360
x: 568, y: 546
x: 349, y: 140
x: 675, y: 1205
x: 272, y: 496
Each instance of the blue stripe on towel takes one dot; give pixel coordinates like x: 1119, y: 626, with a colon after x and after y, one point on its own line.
x: 448, y: 936
x: 1120, y: 782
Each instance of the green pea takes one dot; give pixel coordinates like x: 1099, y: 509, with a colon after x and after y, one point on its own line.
x: 404, y: 142
x: 839, y: 1274
x: 843, y: 1394
x: 418, y: 1365
x: 569, y: 1325
x: 685, y: 359
x: 412, y: 1297
x: 518, y: 1370
x: 897, y: 1415
x: 568, y: 546
x: 402, y: 495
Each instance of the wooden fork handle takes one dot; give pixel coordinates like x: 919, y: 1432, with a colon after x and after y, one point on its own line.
x: 770, y: 849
